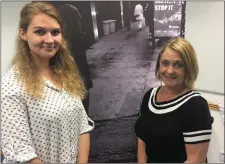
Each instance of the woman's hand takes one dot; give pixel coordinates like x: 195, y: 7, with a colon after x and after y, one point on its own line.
x: 35, y: 160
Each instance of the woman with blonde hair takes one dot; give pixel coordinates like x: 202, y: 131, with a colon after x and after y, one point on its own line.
x: 43, y: 119
x: 175, y: 122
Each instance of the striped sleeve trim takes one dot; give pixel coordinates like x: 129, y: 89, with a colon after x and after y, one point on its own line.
x: 197, y: 142
x: 198, y: 132
x: 197, y: 136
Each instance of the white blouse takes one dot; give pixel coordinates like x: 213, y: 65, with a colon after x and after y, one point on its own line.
x: 47, y: 128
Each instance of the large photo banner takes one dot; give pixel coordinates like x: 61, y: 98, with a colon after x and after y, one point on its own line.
x: 109, y: 41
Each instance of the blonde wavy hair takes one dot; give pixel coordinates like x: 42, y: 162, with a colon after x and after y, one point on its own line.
x: 188, y: 55
x: 62, y: 64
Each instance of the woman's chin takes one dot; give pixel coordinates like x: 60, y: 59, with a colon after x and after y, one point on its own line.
x: 48, y: 55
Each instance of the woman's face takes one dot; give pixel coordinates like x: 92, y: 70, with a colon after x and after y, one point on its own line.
x: 43, y: 36
x: 171, y: 68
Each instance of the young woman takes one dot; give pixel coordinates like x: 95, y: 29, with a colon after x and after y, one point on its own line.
x: 43, y: 119
x: 175, y: 122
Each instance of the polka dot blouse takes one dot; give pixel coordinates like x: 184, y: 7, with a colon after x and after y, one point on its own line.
x: 47, y: 128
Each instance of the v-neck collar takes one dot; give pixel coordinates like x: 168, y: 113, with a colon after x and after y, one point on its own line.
x: 48, y: 83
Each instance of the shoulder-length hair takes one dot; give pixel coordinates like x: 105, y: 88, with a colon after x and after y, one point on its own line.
x: 188, y: 55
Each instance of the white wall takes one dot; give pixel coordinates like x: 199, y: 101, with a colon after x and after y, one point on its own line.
x: 215, y: 98
x: 9, y: 24
x: 204, y: 28
x: 217, y: 139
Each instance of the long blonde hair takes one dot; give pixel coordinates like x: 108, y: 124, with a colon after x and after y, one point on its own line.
x: 62, y: 64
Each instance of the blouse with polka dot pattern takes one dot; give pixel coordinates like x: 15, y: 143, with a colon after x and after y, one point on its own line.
x: 47, y: 128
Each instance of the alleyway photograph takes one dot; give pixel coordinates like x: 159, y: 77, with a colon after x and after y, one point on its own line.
x: 115, y: 45
x: 122, y: 68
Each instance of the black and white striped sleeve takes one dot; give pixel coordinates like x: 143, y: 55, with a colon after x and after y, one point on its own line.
x: 197, y: 121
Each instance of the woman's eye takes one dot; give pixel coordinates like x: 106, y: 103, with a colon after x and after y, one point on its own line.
x: 40, y: 32
x: 180, y: 65
x: 165, y: 63
x: 55, y: 32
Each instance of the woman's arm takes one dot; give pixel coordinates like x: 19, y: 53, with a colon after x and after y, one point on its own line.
x: 84, y: 147
x: 16, y: 138
x: 142, y: 157
x: 196, y: 153
x: 87, y: 125
x: 35, y: 160
x: 197, y: 129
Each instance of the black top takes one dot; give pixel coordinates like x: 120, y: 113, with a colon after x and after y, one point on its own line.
x: 167, y: 126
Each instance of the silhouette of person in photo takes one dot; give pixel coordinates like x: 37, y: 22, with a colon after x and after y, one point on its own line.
x: 138, y: 13
x: 78, y: 44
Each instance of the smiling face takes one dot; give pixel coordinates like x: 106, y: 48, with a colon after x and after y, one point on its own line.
x: 171, y: 68
x: 43, y: 36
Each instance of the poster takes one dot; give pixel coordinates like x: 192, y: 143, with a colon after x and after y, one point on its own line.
x: 167, y: 18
